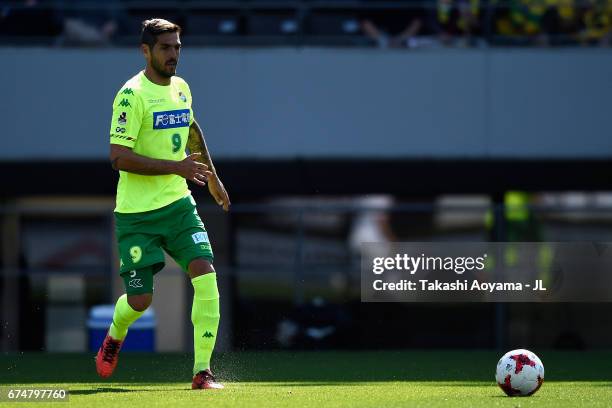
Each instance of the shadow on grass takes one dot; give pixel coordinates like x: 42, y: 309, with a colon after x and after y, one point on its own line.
x: 290, y: 384
x: 99, y: 391
x: 318, y: 368
x: 105, y: 390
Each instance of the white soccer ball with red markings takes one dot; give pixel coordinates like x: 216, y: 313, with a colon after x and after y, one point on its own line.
x: 519, y: 373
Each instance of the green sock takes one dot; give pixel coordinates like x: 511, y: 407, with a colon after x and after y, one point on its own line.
x: 123, y: 317
x: 205, y: 319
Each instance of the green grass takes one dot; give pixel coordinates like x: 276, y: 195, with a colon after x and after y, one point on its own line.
x: 315, y: 379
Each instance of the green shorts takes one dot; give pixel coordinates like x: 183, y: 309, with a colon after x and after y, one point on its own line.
x: 175, y: 228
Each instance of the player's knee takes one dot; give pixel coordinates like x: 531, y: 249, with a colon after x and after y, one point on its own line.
x: 140, y: 303
x: 200, y: 266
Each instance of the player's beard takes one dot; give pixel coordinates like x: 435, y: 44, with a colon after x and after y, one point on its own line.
x: 163, y: 70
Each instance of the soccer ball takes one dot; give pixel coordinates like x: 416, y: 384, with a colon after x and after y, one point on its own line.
x: 519, y: 373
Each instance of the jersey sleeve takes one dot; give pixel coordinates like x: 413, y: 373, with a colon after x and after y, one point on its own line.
x: 127, y: 118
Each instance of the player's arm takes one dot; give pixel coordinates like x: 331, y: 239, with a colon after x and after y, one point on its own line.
x: 197, y: 144
x: 123, y: 158
x: 125, y: 127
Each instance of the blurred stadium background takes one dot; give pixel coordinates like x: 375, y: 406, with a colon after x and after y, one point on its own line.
x: 331, y: 123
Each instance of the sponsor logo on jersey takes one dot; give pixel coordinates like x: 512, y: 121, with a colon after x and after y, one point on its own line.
x: 171, y: 119
x: 122, y: 118
x: 120, y: 130
x: 199, y: 237
x: 125, y: 103
x: 127, y: 91
x: 182, y: 97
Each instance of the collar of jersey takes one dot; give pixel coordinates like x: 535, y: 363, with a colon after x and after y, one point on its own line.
x: 149, y: 82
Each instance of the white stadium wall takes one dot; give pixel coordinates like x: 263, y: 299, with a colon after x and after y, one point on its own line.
x: 286, y: 103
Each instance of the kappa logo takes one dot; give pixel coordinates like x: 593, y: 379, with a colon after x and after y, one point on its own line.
x: 200, y: 237
x: 122, y: 120
x: 127, y: 91
x: 171, y: 119
x: 135, y: 283
x: 125, y: 103
x: 208, y: 335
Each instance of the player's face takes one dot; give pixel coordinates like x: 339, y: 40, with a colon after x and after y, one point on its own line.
x: 165, y: 55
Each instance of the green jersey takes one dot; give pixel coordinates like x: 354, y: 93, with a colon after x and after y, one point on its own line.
x: 153, y: 120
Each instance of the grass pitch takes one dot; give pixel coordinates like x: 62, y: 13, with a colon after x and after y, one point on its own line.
x: 313, y: 379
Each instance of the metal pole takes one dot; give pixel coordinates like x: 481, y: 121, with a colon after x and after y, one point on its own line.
x: 499, y: 235
x: 9, y: 303
x: 299, y: 260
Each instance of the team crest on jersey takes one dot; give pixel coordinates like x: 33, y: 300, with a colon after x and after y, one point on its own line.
x: 122, y: 120
x: 182, y: 97
x: 171, y: 119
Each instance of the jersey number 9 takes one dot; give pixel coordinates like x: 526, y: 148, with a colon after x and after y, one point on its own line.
x: 176, y: 142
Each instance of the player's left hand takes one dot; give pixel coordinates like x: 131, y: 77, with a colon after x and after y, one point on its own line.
x: 217, y: 190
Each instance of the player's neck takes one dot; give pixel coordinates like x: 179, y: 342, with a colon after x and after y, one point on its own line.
x: 155, y: 77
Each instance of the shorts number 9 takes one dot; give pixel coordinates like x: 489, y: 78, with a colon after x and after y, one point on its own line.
x: 136, y: 254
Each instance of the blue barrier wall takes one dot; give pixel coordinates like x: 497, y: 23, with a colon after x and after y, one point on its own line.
x: 285, y: 103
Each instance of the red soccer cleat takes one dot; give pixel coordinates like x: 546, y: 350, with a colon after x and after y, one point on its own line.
x: 108, y: 356
x: 205, y: 380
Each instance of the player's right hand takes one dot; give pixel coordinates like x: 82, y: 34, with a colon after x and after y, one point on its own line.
x: 192, y: 170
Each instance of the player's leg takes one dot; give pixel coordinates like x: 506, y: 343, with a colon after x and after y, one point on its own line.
x: 205, y: 318
x: 129, y: 307
x: 187, y: 242
x: 141, y: 257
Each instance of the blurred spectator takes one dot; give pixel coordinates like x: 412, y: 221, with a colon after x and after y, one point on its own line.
x: 457, y: 18
x: 384, y: 40
x: 597, y: 22
x: 29, y: 18
x: 448, y: 22
x: 371, y: 222
x: 90, y: 22
x: 543, y: 22
x: 392, y: 29
x: 560, y: 22
x: 520, y: 18
x: 520, y: 221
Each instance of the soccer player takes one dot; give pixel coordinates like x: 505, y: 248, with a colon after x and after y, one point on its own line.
x: 152, y: 126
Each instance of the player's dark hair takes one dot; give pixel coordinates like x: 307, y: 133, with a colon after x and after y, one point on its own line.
x: 154, y: 27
